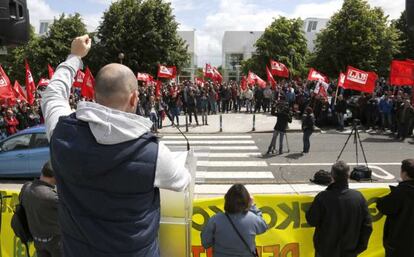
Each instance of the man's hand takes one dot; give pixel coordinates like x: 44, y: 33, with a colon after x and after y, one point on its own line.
x: 81, y: 46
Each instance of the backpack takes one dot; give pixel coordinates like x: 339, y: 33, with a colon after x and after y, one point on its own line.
x: 361, y: 173
x: 322, y: 177
x: 19, y: 223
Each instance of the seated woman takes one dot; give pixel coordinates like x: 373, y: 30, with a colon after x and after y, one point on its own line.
x: 233, y: 233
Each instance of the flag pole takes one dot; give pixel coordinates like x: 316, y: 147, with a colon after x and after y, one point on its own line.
x: 336, y: 93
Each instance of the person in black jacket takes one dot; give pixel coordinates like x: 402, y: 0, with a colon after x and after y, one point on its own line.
x: 340, y: 110
x: 308, y: 126
x: 40, y: 201
x: 283, y: 118
x: 399, y: 208
x: 341, y: 218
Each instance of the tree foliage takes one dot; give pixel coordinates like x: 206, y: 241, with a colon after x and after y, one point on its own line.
x: 52, y: 48
x: 283, y: 41
x: 145, y: 31
x: 357, y: 35
x: 406, y: 38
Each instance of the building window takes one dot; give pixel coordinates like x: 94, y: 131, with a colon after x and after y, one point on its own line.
x: 43, y: 27
x: 312, y: 26
x: 232, y: 60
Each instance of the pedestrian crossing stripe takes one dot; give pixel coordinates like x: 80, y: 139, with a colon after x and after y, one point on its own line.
x: 226, y: 155
x: 207, y: 137
x: 234, y: 175
x: 209, y: 142
x: 242, y: 147
x: 231, y: 164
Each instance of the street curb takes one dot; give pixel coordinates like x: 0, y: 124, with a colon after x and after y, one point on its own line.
x: 235, y: 132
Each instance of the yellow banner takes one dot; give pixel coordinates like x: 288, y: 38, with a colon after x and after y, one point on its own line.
x: 288, y: 236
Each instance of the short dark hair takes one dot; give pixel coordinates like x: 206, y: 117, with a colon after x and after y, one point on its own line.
x: 407, y: 166
x: 340, y: 171
x: 47, y: 170
x: 237, y: 199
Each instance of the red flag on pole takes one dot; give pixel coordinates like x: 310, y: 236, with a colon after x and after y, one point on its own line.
x: 43, y: 82
x: 18, y: 91
x: 158, y: 86
x: 217, y: 76
x: 78, y: 79
x: 360, y: 80
x: 167, y: 72
x: 144, y: 77
x: 270, y: 78
x: 50, y: 70
x: 88, y: 85
x: 254, y: 79
x: 30, y: 85
x: 316, y: 75
x: 243, y: 83
x: 341, y: 80
x: 402, y: 73
x: 279, y: 69
x: 6, y: 91
x: 209, y: 72
x: 199, y: 82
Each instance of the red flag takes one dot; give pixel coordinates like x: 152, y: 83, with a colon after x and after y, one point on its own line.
x: 43, y: 82
x: 209, y: 72
x: 88, y: 85
x: 360, y: 80
x: 199, y: 82
x: 18, y: 91
x: 341, y: 80
x: 243, y: 83
x: 51, y: 71
x: 279, y: 69
x: 30, y: 85
x: 316, y: 75
x: 217, y: 76
x: 6, y: 91
x: 270, y: 78
x: 158, y: 86
x: 167, y: 72
x: 78, y: 79
x: 254, y: 79
x: 144, y: 77
x: 402, y: 73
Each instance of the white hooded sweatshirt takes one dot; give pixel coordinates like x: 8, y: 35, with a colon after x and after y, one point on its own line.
x: 108, y: 126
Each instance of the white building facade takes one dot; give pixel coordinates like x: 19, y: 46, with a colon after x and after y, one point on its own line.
x: 239, y: 45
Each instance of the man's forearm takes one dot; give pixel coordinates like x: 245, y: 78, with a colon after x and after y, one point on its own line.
x: 55, y: 99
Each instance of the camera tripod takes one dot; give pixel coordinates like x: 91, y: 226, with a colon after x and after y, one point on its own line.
x: 357, y: 140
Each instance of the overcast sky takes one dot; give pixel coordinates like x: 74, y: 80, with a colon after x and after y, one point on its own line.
x: 210, y: 18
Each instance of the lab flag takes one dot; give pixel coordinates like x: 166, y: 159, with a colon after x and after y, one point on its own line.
x: 316, y: 75
x: 279, y: 69
x: 359, y: 80
x: 30, y: 85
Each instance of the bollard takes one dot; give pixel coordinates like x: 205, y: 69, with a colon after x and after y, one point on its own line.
x: 221, y: 123
x: 206, y: 119
x: 254, y: 122
x: 186, y: 122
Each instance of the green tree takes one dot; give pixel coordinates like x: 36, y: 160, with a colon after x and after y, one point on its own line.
x: 53, y: 48
x: 406, y: 38
x: 145, y: 31
x: 283, y: 41
x: 357, y: 35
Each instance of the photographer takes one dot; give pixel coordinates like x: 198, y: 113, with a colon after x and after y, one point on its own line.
x: 283, y: 118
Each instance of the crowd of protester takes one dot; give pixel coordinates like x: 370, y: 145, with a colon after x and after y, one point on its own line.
x: 388, y: 109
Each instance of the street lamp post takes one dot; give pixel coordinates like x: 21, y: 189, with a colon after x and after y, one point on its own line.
x: 121, y: 57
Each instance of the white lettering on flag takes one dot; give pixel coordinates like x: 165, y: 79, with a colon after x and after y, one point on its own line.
x: 357, y: 77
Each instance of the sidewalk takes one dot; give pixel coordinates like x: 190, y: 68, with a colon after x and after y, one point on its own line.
x: 231, y: 123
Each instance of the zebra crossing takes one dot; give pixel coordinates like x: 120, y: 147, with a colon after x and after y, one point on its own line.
x: 224, y: 159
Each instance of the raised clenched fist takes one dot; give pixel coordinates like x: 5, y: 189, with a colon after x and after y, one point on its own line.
x: 81, y: 46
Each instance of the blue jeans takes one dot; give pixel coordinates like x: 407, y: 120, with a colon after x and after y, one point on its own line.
x: 306, y: 140
x: 272, y: 145
x: 340, y: 117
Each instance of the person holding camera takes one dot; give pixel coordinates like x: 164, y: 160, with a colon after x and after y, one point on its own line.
x: 233, y: 232
x: 283, y: 118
